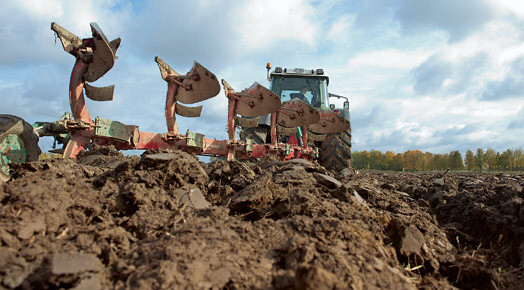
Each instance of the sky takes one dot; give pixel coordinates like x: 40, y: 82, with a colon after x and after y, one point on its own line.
x: 425, y: 75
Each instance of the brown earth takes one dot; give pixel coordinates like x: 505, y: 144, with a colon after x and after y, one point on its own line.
x: 166, y: 220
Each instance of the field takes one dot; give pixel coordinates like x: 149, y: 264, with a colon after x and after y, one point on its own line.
x: 168, y: 221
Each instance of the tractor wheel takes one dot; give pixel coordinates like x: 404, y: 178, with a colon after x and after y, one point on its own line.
x: 18, y: 143
x: 335, y: 153
x: 258, y: 134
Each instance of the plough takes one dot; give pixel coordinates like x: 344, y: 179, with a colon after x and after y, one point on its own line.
x: 95, y: 56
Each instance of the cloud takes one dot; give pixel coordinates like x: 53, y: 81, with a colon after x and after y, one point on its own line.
x: 391, y: 58
x: 438, y: 74
x: 511, y: 86
x: 42, y: 95
x: 379, y: 115
x: 518, y: 121
x: 220, y: 32
x: 25, y: 34
x: 457, y: 18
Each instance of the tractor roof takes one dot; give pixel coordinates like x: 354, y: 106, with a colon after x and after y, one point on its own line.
x: 300, y: 72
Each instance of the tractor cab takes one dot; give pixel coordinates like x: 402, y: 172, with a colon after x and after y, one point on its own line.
x: 308, y: 85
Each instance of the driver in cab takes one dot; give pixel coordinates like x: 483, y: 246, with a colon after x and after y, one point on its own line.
x: 301, y: 95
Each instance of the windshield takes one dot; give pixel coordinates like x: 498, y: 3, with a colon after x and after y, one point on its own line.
x: 309, y: 90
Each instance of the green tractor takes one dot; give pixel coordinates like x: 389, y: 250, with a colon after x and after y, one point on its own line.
x: 311, y: 86
x: 18, y: 143
x: 19, y: 140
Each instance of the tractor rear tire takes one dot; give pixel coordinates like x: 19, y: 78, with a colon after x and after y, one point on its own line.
x: 258, y: 134
x: 335, y: 151
x: 18, y: 143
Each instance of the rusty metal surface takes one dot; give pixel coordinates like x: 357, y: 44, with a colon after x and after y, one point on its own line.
x: 246, y: 123
x: 190, y: 112
x: 330, y: 122
x: 102, y: 94
x: 76, y: 93
x: 70, y: 42
x: 171, y: 103
x: 257, y: 101
x: 296, y: 113
x: 286, y: 131
x: 114, y: 45
x: 103, y: 56
x: 231, y: 133
x: 165, y: 69
x: 204, y: 88
x: 78, y: 140
x: 316, y: 137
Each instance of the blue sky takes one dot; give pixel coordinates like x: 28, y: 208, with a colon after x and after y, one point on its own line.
x: 430, y: 75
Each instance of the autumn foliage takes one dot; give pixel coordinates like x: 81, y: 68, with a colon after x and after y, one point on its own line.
x: 416, y: 160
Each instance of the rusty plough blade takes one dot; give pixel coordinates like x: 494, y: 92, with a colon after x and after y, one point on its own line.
x: 189, y: 112
x: 254, y: 101
x: 330, y: 122
x: 197, y: 85
x: 246, y: 123
x: 70, y: 42
x: 102, y: 94
x: 317, y: 137
x: 95, y: 57
x: 296, y: 113
x: 103, y: 55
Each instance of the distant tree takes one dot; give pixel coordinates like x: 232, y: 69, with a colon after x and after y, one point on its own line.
x: 365, y: 159
x: 490, y: 158
x: 455, y: 161
x: 375, y: 160
x: 470, y: 160
x: 429, y: 161
x: 410, y: 159
x: 389, y: 160
x: 479, y: 159
x: 416, y: 160
x: 356, y: 160
x: 507, y: 160
x: 398, y: 162
x: 439, y: 162
x: 498, y: 162
x: 422, y: 162
x: 518, y: 157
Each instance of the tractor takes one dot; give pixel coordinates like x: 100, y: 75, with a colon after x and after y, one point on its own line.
x: 310, y: 86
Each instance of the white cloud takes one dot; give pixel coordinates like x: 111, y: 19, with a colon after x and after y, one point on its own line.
x: 513, y: 6
x: 390, y: 58
x: 272, y: 22
x: 50, y: 8
x: 340, y: 29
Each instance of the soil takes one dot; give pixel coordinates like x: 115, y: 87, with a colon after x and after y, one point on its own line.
x: 165, y: 220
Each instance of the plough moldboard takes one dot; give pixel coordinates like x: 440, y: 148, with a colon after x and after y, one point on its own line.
x: 96, y: 56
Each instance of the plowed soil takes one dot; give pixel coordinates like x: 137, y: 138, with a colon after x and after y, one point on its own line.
x: 168, y: 221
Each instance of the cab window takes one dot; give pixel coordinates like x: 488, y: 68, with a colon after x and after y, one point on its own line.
x: 292, y: 87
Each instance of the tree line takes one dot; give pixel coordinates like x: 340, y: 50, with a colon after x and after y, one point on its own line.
x: 416, y: 160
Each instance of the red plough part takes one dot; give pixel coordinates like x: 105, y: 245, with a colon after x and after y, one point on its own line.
x: 96, y: 56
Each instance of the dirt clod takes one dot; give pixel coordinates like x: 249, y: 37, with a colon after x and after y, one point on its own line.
x: 166, y: 220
